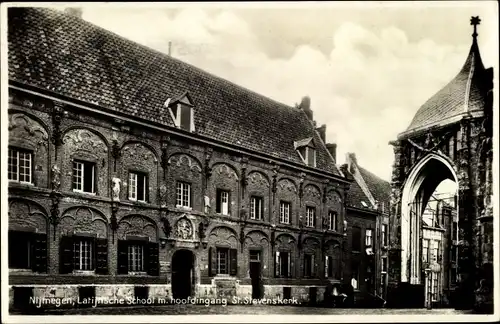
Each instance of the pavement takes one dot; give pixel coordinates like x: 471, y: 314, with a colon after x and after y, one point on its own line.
x: 244, y: 310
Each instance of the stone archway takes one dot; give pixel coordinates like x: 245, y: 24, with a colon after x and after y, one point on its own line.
x: 417, y: 191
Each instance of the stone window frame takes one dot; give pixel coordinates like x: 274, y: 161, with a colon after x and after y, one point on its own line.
x: 314, y: 222
x: 289, y: 203
x: 335, y: 223
x: 261, y: 199
x: 146, y: 185
x: 277, y: 255
x: 18, y: 149
x: 312, y: 270
x: 95, y: 184
x: 218, y: 204
x: 190, y: 195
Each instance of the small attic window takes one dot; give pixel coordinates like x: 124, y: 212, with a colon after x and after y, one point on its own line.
x: 307, y: 151
x: 364, y: 204
x: 182, y: 112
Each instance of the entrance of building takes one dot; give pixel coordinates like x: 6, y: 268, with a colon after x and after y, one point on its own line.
x: 182, y: 274
x: 255, y: 274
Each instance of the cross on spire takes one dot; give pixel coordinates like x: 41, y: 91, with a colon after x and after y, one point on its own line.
x: 474, y: 21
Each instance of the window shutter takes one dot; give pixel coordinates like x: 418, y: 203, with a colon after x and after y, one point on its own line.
x: 153, y: 262
x: 277, y: 264
x: 66, y: 254
x: 233, y: 259
x: 212, y: 261
x: 289, y: 274
x: 218, y: 202
x: 101, y: 252
x: 39, y: 257
x: 313, y: 266
x: 123, y: 257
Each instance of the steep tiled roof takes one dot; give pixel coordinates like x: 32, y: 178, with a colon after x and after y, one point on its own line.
x: 467, y: 91
x: 379, y: 188
x: 73, y: 58
x: 355, y: 196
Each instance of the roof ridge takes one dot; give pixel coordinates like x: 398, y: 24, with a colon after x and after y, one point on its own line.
x: 166, y: 56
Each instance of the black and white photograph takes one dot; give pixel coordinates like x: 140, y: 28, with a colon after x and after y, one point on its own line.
x: 249, y: 161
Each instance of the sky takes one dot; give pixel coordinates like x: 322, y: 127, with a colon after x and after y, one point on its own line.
x: 367, y: 68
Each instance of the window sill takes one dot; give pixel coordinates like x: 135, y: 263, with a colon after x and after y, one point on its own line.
x: 84, y: 272
x: 20, y: 271
x: 21, y: 183
x: 183, y: 208
x: 84, y: 192
x: 137, y: 273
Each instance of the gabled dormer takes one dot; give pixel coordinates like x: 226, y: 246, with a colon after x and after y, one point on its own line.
x: 181, y: 110
x: 306, y: 150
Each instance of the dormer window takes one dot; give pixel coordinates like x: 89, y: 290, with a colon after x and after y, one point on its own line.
x: 307, y: 151
x: 182, y: 112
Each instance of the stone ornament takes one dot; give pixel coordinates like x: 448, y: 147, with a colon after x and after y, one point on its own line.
x: 184, y: 229
x: 140, y: 152
x: 116, y: 189
x: 83, y: 139
x: 28, y: 125
x: 179, y: 160
x: 56, y: 178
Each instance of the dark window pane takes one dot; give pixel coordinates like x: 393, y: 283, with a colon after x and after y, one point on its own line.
x: 88, y: 181
x: 186, y: 118
x: 141, y: 183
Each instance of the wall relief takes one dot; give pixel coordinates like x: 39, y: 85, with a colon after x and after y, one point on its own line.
x: 85, y: 140
x: 184, y: 229
x: 224, y: 236
x: 84, y: 219
x: 256, y: 238
x: 139, y: 152
x: 287, y: 185
x: 285, y: 241
x: 27, y: 214
x: 183, y: 160
x: 312, y: 191
x: 137, y: 225
x: 225, y: 171
x: 257, y: 179
x: 22, y: 126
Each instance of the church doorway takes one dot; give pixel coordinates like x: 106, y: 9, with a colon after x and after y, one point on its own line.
x: 182, y: 274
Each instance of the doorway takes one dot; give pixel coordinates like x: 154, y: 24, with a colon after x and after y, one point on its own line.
x: 182, y: 274
x: 256, y: 273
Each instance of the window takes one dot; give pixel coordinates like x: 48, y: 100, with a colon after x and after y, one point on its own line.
x: 368, y: 237
x: 136, y: 257
x: 284, y: 212
x: 83, y: 176
x: 384, y: 234
x: 384, y: 264
x: 137, y: 186
x: 19, y: 165
x: 83, y: 254
x: 435, y: 285
x: 308, y: 155
x: 222, y: 261
x: 255, y: 255
x: 222, y: 206
x: 332, y: 221
x: 283, y: 264
x: 183, y: 194
x: 425, y: 250
x: 356, y: 238
x: 310, y: 216
x: 256, y: 208
x: 308, y: 265
x: 434, y: 251
x: 182, y: 114
x: 20, y: 250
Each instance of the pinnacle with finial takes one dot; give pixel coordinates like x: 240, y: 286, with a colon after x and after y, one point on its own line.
x: 474, y: 21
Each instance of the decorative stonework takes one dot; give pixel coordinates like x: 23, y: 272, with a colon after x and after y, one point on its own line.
x: 312, y: 192
x: 56, y: 178
x: 116, y: 189
x: 257, y: 179
x: 256, y: 238
x: 85, y: 140
x: 183, y: 160
x: 137, y: 225
x: 84, y: 220
x: 225, y: 171
x: 139, y: 152
x: 287, y: 185
x: 26, y: 128
x: 285, y: 241
x: 223, y: 236
x: 184, y: 229
x: 25, y: 213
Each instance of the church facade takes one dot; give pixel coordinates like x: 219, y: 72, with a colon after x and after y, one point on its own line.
x: 450, y: 138
x: 132, y: 174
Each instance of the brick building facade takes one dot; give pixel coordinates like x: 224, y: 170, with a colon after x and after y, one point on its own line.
x: 134, y: 174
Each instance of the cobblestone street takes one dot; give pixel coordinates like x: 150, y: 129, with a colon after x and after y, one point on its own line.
x: 246, y: 310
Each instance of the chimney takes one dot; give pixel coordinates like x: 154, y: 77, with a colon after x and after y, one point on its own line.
x: 332, y: 148
x: 351, y: 161
x: 305, y: 105
x: 169, y: 48
x: 322, y: 132
x: 75, y: 12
